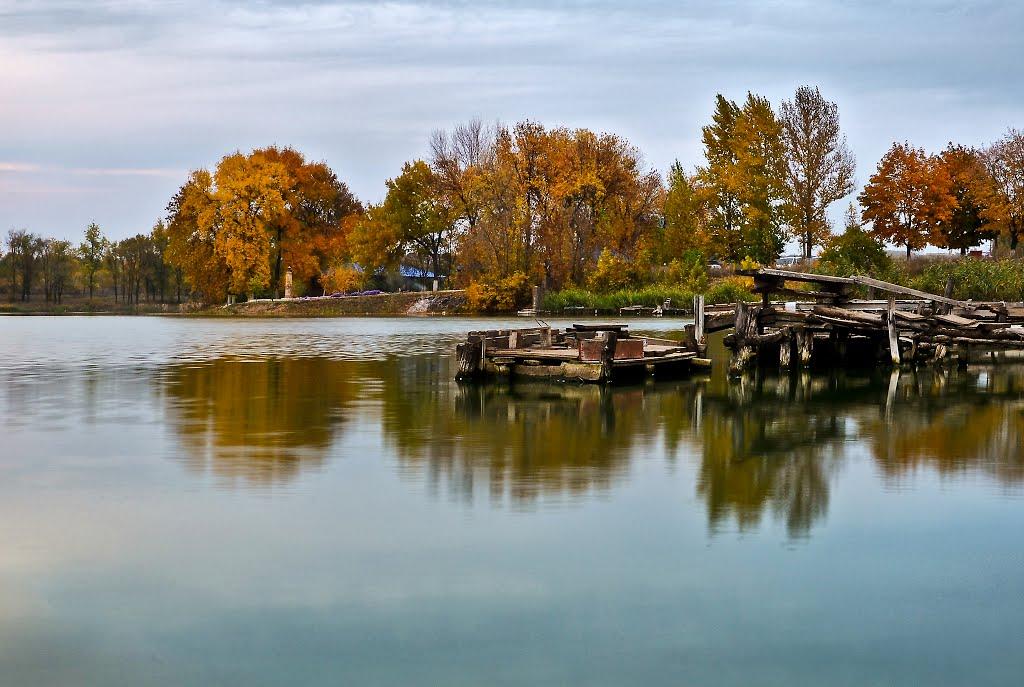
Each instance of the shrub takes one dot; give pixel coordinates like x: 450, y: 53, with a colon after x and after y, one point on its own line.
x: 690, y: 270
x: 342, y: 279
x: 730, y: 290
x: 855, y: 252
x: 612, y: 273
x: 499, y: 294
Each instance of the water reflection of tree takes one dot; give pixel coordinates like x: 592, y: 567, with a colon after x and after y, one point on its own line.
x: 258, y: 421
x: 952, y: 421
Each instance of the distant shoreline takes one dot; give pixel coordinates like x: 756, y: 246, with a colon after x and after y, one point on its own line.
x: 401, y: 304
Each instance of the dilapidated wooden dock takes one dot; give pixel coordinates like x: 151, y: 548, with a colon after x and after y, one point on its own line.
x: 583, y: 352
x: 826, y: 326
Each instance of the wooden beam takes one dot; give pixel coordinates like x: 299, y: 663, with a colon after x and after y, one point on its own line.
x: 786, y: 275
x: 907, y: 291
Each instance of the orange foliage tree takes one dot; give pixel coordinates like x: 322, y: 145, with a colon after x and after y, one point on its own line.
x: 235, y: 229
x: 908, y: 198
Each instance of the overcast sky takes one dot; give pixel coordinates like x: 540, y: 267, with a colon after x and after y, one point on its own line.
x: 106, y: 104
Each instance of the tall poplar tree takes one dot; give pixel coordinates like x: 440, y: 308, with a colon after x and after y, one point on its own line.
x: 819, y: 169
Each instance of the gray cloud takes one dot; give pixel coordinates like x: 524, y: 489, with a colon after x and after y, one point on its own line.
x: 112, y: 85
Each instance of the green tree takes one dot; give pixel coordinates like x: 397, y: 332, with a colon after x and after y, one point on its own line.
x: 855, y: 251
x: 91, y: 252
x: 684, y: 216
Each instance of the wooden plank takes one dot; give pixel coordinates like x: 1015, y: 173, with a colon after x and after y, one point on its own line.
x: 906, y: 291
x: 957, y: 321
x: 909, y: 316
x: 796, y: 276
x: 716, y: 322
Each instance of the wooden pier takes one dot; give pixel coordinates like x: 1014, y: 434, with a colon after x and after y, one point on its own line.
x: 583, y: 352
x: 827, y: 326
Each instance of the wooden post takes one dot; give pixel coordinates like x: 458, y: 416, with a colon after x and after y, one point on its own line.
x: 948, y: 293
x: 698, y: 326
x: 288, y: 283
x: 608, y: 355
x: 744, y: 351
x: 538, y: 298
x: 786, y: 350
x: 468, y: 355
x: 894, y: 339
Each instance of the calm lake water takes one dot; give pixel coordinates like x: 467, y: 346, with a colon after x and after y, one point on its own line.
x: 316, y: 502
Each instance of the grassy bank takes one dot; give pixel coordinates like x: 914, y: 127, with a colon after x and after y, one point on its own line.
x: 724, y: 290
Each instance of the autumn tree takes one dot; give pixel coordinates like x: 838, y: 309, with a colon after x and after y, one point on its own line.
x: 907, y: 198
x: 460, y: 161
x: 91, y: 252
x: 192, y: 220
x: 1005, y: 162
x: 235, y: 229
x: 545, y: 202
x: 819, y: 166
x: 310, y: 230
x: 973, y: 192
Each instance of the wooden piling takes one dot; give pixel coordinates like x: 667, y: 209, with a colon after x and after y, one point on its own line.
x: 894, y: 340
x: 698, y: 325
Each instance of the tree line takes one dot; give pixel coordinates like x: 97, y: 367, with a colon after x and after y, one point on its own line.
x: 524, y: 203
x: 130, y: 270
